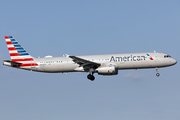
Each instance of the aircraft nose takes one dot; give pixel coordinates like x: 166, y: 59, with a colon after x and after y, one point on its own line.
x: 174, y: 61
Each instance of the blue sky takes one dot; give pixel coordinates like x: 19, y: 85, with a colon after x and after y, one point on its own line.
x: 86, y: 28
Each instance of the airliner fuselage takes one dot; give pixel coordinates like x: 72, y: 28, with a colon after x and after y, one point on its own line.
x: 121, y: 61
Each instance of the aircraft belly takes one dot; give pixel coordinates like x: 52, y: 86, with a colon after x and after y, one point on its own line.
x: 51, y: 68
x: 70, y: 67
x: 59, y: 67
x: 133, y: 65
x: 141, y: 64
x: 48, y: 68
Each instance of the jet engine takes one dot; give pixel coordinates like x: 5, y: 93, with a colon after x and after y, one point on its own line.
x: 107, y: 70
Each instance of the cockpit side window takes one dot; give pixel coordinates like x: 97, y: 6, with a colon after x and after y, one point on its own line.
x: 167, y: 56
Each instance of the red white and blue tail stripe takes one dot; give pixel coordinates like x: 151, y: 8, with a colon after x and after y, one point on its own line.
x: 18, y: 53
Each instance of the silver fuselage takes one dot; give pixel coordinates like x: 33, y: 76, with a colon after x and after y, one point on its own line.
x: 121, y: 61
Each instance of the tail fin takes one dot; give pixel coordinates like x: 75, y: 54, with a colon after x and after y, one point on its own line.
x: 18, y: 53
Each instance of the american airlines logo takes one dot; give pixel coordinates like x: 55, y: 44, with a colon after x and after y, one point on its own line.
x: 149, y: 56
x: 127, y: 58
x: 130, y: 58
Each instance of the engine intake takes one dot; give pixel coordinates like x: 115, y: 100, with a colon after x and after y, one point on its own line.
x: 107, y: 70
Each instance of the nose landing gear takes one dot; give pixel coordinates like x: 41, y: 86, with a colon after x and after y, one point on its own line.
x: 157, y: 74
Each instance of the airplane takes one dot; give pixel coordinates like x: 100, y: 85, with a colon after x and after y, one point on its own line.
x: 108, y: 64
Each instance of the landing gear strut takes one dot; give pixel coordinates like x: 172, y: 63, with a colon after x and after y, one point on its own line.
x: 91, y: 77
x: 157, y: 74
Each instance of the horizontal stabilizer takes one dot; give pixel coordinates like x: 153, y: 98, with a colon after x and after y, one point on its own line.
x: 9, y: 61
x: 12, y: 63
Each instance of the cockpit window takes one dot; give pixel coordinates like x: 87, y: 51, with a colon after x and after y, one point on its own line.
x: 167, y: 56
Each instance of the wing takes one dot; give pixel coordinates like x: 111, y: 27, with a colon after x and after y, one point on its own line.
x: 86, y: 64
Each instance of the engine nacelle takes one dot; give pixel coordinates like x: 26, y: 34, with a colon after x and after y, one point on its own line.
x: 107, y: 70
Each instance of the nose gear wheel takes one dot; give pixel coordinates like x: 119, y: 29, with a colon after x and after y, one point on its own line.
x: 157, y: 74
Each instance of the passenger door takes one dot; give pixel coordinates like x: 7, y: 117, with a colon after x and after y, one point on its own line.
x: 156, y: 57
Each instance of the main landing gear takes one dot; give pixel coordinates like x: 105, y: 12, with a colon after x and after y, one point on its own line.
x: 91, y: 77
x: 157, y: 74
